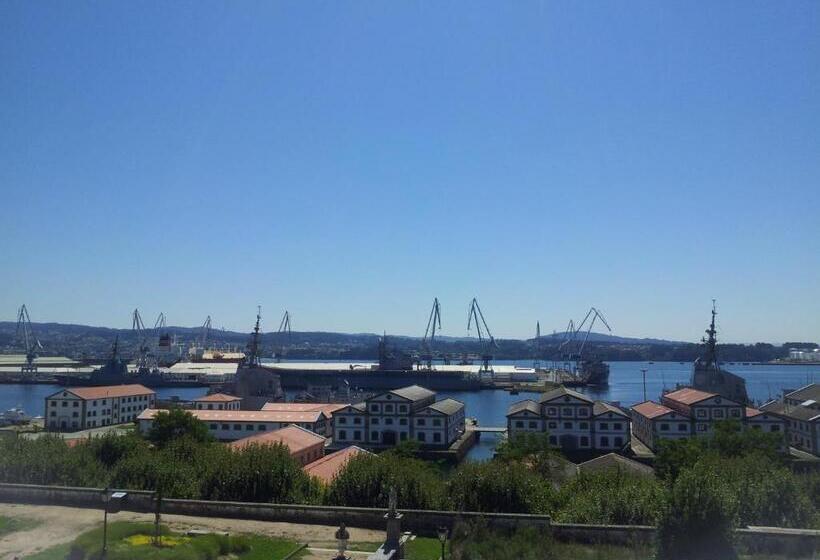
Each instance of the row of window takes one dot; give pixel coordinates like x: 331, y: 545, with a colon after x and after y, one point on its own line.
x: 580, y: 411
x: 388, y: 408
x: 533, y: 424
x: 389, y: 421
x: 376, y: 436
x: 717, y: 413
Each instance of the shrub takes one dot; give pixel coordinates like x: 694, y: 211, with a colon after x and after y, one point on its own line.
x: 499, y: 487
x: 171, y: 425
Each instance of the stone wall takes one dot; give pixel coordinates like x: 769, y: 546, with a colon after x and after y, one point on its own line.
x: 422, y: 522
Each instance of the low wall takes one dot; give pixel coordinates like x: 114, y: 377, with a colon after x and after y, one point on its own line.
x: 422, y: 522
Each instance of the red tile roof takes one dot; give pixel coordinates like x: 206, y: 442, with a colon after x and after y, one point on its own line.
x: 295, y: 438
x: 688, y: 395
x: 326, y: 468
x: 218, y: 397
x: 651, y: 409
x: 109, y: 391
x: 327, y: 408
x: 752, y: 412
x: 244, y: 415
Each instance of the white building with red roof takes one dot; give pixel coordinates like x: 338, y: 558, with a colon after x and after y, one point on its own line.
x: 230, y: 425
x: 328, y: 467
x: 218, y: 401
x: 704, y: 408
x: 78, y: 408
x: 652, y: 422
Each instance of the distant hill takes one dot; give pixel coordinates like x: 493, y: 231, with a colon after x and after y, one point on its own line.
x: 87, y: 342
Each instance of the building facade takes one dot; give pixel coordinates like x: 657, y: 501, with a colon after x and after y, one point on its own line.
x: 411, y: 413
x: 81, y: 408
x: 230, y: 425
x: 800, y: 412
x: 572, y: 420
x: 218, y: 401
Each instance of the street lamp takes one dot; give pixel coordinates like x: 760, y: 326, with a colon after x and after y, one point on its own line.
x: 342, y: 536
x: 442, y: 537
x: 106, y: 497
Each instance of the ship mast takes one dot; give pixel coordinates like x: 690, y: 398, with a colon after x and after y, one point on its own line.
x: 711, y: 342
x: 252, y: 356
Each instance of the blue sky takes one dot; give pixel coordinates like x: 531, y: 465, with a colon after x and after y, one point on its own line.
x: 349, y: 161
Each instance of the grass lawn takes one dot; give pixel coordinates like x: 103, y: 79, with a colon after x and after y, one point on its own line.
x: 12, y: 524
x: 424, y: 549
x: 132, y: 541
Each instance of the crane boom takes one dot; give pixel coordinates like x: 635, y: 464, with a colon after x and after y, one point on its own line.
x: 283, y: 331
x: 475, y: 316
x: 433, y: 322
x: 31, y: 343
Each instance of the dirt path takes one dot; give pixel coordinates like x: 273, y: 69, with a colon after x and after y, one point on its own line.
x: 62, y: 524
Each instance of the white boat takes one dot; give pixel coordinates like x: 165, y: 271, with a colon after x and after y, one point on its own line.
x: 14, y: 416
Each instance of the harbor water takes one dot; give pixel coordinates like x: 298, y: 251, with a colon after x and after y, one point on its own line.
x: 489, y: 407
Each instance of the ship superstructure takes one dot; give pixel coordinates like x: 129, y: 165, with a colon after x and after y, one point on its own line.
x: 707, y: 374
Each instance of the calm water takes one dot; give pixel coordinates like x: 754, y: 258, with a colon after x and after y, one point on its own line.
x: 490, y: 407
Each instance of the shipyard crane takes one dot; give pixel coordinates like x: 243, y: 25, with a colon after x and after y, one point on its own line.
x: 485, y: 337
x: 595, y: 314
x: 206, y: 331
x: 433, y: 322
x: 142, y: 337
x: 283, y: 332
x: 161, y: 328
x: 30, y: 341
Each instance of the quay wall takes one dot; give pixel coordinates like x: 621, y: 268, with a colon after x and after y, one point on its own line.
x: 422, y: 522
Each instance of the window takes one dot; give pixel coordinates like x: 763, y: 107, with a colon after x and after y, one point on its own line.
x: 75, y: 414
x: 422, y: 436
x: 420, y: 422
x: 237, y: 427
x: 402, y: 421
x: 566, y: 411
x: 619, y: 442
x: 702, y: 427
x: 54, y: 413
x: 76, y: 404
x: 388, y: 408
x: 212, y: 426
x: 584, y: 425
x: 664, y: 427
x: 774, y: 428
x: 226, y: 427
x: 553, y: 425
x: 357, y: 420
x: 342, y: 434
x: 616, y: 426
x: 210, y: 406
x: 532, y: 424
x: 567, y: 425
x: 374, y: 436
x: 604, y: 425
x: 402, y: 408
x: 437, y: 437
x: 584, y: 441
x: 552, y: 411
x: 374, y: 421
x: 519, y: 423
x: 388, y: 421
x: 701, y: 413
x: 403, y: 436
x: 755, y: 427
x: 374, y: 408
x: 53, y: 403
x: 262, y: 427
x: 583, y: 412
x: 357, y: 435
x: 342, y: 420
x: 718, y: 413
x: 604, y: 441
x: 735, y: 413
x: 683, y: 427
x: 65, y: 403
x: 436, y: 421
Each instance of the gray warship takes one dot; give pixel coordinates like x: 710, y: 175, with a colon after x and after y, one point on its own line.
x: 707, y: 374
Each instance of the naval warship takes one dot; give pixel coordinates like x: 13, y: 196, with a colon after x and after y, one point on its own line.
x: 707, y: 374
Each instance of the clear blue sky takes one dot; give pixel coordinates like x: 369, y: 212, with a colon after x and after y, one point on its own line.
x: 349, y: 161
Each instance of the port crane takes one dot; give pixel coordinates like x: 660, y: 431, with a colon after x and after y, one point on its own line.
x: 485, y: 337
x: 31, y: 343
x: 143, y: 350
x: 576, y: 349
x: 433, y: 322
x: 283, y: 335
x: 161, y: 328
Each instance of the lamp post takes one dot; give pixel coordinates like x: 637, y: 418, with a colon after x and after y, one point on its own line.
x: 644, y: 384
x: 342, y: 536
x: 106, y: 497
x: 442, y: 537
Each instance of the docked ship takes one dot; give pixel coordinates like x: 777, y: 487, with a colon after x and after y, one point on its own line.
x: 115, y: 371
x: 707, y: 375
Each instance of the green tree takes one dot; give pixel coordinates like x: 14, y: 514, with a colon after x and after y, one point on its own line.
x: 698, y: 520
x: 176, y: 424
x: 497, y: 486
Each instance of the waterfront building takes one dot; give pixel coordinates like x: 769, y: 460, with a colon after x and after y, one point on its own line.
x: 572, y: 420
x: 230, y: 425
x: 80, y: 408
x: 328, y: 408
x: 304, y: 446
x: 218, y: 401
x: 613, y: 461
x: 652, y: 422
x: 410, y: 413
x: 800, y: 412
x: 329, y: 466
x: 704, y: 408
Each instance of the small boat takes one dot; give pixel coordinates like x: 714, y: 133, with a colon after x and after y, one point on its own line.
x: 14, y: 416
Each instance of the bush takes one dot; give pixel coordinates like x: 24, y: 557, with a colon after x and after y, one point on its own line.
x: 698, y: 520
x: 613, y: 497
x: 366, y: 482
x: 174, y: 424
x: 499, y: 487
